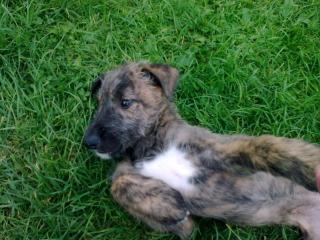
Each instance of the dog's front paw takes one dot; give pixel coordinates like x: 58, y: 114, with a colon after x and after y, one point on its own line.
x: 123, y: 168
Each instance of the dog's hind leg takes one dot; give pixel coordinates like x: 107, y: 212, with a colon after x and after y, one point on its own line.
x: 290, y: 158
x: 151, y: 201
x: 257, y: 199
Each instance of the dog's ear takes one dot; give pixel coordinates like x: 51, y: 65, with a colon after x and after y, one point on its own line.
x: 163, y: 75
x: 96, y: 85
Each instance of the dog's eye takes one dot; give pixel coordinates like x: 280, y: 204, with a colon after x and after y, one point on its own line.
x: 126, y: 103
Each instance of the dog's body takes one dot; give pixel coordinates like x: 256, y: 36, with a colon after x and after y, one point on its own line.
x: 173, y: 170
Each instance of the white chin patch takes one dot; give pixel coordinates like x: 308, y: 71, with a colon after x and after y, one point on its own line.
x: 103, y: 155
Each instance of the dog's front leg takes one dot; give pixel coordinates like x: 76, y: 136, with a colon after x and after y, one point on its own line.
x: 257, y: 199
x: 151, y: 200
x: 290, y: 158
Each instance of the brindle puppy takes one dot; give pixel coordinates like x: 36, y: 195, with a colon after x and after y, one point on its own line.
x: 173, y: 170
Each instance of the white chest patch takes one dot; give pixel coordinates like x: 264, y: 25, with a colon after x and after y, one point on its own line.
x: 172, y: 167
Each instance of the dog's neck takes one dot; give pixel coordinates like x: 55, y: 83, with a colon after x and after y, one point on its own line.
x: 155, y: 140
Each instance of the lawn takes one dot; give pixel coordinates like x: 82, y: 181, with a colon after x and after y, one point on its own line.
x: 246, y: 67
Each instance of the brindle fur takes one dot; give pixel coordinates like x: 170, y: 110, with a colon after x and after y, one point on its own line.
x: 245, y: 180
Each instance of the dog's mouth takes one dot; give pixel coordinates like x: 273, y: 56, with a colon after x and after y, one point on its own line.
x: 108, y: 154
x: 103, y: 155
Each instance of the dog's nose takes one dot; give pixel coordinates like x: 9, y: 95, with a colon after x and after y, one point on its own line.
x: 92, y: 141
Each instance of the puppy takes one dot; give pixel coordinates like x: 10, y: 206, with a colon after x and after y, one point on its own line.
x: 172, y: 171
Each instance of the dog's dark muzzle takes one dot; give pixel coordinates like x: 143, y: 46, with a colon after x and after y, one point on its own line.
x: 101, y: 140
x: 91, y: 141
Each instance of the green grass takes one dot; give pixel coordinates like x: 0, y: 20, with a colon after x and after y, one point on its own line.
x: 247, y: 67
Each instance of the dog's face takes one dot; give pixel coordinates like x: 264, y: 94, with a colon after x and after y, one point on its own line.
x: 130, y: 99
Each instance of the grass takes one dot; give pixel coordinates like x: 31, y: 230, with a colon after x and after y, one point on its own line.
x: 247, y: 67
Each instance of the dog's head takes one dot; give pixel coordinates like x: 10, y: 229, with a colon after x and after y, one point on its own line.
x: 131, y: 99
